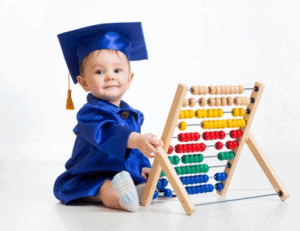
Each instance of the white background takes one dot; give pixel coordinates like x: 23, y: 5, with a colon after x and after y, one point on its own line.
x: 195, y: 42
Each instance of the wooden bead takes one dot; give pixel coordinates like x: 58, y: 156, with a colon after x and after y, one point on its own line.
x: 185, y: 103
x: 211, y: 101
x: 202, y: 102
x: 218, y: 90
x: 194, y: 90
x: 199, y: 90
x: 235, y: 89
x: 223, y: 101
x: 223, y: 90
x: 229, y: 101
x: 241, y: 89
x: 237, y: 101
x: 227, y: 90
x: 218, y: 102
x: 205, y: 90
x: 192, y: 102
x: 212, y: 90
x: 231, y: 89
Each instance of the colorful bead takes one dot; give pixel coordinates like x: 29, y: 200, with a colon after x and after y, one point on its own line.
x: 170, y: 150
x: 219, y: 145
x: 182, y: 125
x: 219, y: 186
x: 220, y: 176
x: 226, y: 155
x: 167, y: 192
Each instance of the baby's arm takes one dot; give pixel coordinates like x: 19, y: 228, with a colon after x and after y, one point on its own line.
x: 145, y: 143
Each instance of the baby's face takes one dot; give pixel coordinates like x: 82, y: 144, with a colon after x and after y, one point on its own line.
x: 106, y: 75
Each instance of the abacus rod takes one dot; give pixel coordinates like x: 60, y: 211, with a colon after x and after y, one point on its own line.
x: 217, y: 166
x: 237, y: 199
x: 246, y: 88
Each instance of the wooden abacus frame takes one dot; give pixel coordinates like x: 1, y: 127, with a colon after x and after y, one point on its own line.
x: 161, y: 160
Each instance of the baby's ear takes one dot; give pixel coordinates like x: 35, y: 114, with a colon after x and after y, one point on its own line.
x: 82, y: 82
x: 130, y: 77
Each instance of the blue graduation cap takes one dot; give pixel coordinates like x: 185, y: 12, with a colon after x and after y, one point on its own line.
x: 125, y: 37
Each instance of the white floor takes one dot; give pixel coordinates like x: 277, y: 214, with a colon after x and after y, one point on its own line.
x: 27, y: 203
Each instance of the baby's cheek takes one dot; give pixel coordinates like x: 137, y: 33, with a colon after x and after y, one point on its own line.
x: 94, y: 84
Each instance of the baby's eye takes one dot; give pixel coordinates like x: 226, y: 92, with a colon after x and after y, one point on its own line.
x: 118, y: 70
x: 100, y: 72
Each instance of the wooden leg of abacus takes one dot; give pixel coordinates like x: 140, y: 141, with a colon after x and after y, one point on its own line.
x: 267, y: 168
x: 162, y: 161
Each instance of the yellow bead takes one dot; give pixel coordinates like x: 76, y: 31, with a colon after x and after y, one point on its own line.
x: 182, y: 126
x: 211, y: 124
x: 198, y: 113
x: 224, y: 123
x: 204, y: 124
x: 216, y: 113
x: 220, y: 112
x: 186, y: 114
x: 210, y: 113
x: 235, y: 112
x: 243, y: 123
x: 181, y: 115
x: 242, y: 112
x: 191, y: 114
x: 229, y: 123
x: 204, y: 113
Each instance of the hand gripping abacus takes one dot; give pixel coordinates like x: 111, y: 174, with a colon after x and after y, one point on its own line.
x: 190, y: 151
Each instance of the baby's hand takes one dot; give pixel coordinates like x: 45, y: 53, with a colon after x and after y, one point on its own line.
x: 146, y: 143
x: 145, y: 173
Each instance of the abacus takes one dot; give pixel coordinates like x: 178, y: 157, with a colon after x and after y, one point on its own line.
x: 185, y: 169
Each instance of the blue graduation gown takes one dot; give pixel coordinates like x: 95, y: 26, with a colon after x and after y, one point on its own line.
x: 100, y: 150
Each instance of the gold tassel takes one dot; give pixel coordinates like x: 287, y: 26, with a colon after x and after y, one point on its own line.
x: 70, y: 105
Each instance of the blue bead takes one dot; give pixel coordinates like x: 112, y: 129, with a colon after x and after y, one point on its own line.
x: 217, y: 177
x: 159, y: 184
x: 197, y: 179
x: 193, y: 180
x: 206, y: 178
x: 219, y: 186
x: 164, y: 183
x: 224, y: 176
x: 183, y: 180
x: 188, y: 189
x: 201, y: 179
x: 201, y: 189
x: 167, y: 192
x: 210, y: 188
x: 155, y: 195
x: 189, y: 180
x: 195, y: 190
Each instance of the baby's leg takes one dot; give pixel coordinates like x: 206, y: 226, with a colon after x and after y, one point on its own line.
x: 120, y: 193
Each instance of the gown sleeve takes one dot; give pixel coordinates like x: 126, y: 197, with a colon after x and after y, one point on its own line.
x: 101, y: 129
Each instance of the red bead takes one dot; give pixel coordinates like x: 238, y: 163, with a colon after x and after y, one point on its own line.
x: 204, y: 136
x: 232, y: 134
x: 178, y: 148
x: 239, y: 133
x: 235, y: 144
x: 181, y: 137
x: 230, y: 145
x: 217, y: 135
x: 219, y: 145
x: 222, y: 135
x: 202, y: 147
x: 197, y: 136
x: 170, y: 149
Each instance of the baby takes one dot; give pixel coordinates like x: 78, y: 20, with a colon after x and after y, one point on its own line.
x: 109, y: 162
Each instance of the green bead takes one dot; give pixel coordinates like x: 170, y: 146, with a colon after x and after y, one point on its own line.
x: 184, y: 159
x: 197, y: 158
x: 176, y: 160
x: 171, y: 159
x: 201, y: 158
x: 184, y: 170
x: 206, y: 168
x: 193, y: 169
x: 178, y: 170
x: 192, y: 159
x: 162, y: 173
x: 197, y: 169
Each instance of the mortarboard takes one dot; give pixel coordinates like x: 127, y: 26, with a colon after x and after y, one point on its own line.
x: 126, y: 37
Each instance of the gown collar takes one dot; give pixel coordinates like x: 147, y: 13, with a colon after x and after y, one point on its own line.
x: 123, y: 105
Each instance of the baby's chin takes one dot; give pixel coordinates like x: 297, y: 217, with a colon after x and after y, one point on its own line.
x: 110, y: 98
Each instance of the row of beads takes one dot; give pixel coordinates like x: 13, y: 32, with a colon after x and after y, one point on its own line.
x: 192, y: 169
x: 209, y: 113
x: 226, y: 155
x: 200, y: 147
x: 217, y: 124
x: 198, y: 179
x: 205, y: 188
x: 217, y: 90
x: 223, y: 101
x: 213, y: 135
